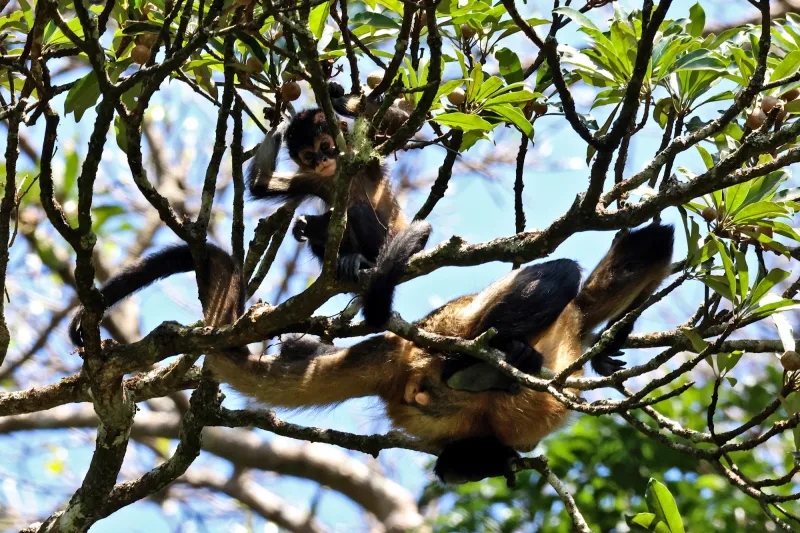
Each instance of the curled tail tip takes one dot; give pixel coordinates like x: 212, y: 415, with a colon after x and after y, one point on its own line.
x: 391, y: 266
x: 651, y: 244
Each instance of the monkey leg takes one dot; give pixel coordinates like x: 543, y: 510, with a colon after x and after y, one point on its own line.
x: 309, y: 373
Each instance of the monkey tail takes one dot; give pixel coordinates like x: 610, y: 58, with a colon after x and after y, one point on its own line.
x: 344, y: 104
x: 630, y: 272
x: 159, y: 265
x: 391, y: 265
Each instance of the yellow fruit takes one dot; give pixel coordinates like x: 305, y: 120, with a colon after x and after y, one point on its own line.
x: 468, y: 31
x: 768, y: 102
x: 374, y: 78
x: 790, y: 95
x: 290, y: 91
x: 255, y: 64
x: 790, y: 360
x: 709, y: 214
x: 140, y: 54
x: 763, y: 230
x: 406, y: 105
x: 756, y: 119
x: 457, y: 97
x: 147, y: 39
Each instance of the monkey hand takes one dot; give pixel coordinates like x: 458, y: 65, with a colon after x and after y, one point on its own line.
x: 335, y: 89
x: 606, y: 364
x: 299, y: 229
x: 350, y: 264
x: 522, y: 356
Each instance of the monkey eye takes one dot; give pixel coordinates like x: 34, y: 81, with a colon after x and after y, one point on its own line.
x: 325, y: 146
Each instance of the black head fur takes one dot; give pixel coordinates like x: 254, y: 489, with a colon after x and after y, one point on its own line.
x: 306, y: 127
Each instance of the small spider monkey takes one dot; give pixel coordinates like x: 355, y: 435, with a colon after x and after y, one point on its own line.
x: 452, y: 401
x: 374, y: 218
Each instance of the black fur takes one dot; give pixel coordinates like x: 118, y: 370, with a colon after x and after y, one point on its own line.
x: 474, y: 459
x: 159, y: 265
x: 540, y: 293
x: 645, y: 247
x: 305, y: 347
x: 364, y: 234
x: 391, y: 265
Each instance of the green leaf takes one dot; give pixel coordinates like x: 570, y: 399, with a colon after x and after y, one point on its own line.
x: 773, y: 277
x: 662, y: 504
x: 252, y: 44
x: 788, y: 65
x: 698, y: 343
x: 318, y: 17
x: 764, y: 188
x: 145, y: 26
x: 782, y: 324
x: 101, y: 214
x: 700, y: 59
x: 375, y: 20
x: 719, y: 285
x: 782, y: 304
x: 646, y: 522
x: 510, y: 67
x: 708, y: 161
x: 727, y: 361
x: 730, y: 275
x: 476, y: 80
x: 463, y: 121
x: 742, y: 271
x: 514, y: 115
x: 513, y: 98
x: 698, y: 21
x: 577, y: 17
x: 758, y: 211
x: 448, y: 87
x: 488, y: 88
x: 82, y: 96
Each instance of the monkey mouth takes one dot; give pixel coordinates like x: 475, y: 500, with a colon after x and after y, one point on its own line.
x: 327, y: 169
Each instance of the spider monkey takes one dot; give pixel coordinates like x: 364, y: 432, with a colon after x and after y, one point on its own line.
x: 374, y: 218
x: 452, y: 401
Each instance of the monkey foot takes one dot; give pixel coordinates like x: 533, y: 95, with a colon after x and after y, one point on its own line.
x: 606, y: 364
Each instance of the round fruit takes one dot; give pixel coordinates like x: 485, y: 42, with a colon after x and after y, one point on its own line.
x: 768, y: 103
x: 146, y: 9
x: 763, y: 230
x: 709, y: 214
x: 374, y: 78
x: 790, y: 95
x: 790, y: 360
x: 147, y: 39
x: 457, y: 97
x: 255, y: 64
x: 468, y: 31
x: 290, y: 91
x: 140, y: 54
x: 756, y: 119
x: 405, y: 105
x: 540, y: 108
x: 243, y: 3
x: 423, y: 19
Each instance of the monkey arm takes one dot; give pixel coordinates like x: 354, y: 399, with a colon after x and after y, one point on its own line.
x: 285, y: 186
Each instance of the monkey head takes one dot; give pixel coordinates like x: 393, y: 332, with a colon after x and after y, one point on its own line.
x: 311, y: 144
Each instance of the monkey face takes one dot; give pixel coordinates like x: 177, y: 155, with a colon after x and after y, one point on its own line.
x: 321, y: 156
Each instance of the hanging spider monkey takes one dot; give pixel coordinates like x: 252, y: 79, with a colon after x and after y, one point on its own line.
x: 373, y: 214
x: 455, y: 402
